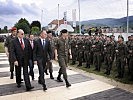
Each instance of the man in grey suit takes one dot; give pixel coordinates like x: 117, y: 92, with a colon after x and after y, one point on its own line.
x: 41, y: 54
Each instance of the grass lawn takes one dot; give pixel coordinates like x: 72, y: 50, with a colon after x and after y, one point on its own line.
x: 2, y: 50
x: 111, y: 76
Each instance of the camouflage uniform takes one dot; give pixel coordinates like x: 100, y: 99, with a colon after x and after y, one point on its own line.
x: 73, y: 50
x: 80, y: 45
x: 121, y: 53
x: 8, y: 45
x: 108, y: 50
x: 130, y: 58
x: 97, y: 50
x: 87, y: 52
x: 62, y: 47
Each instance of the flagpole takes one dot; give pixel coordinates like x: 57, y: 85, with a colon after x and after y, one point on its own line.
x: 58, y: 19
x: 41, y: 18
x: 127, y: 17
x: 79, y: 17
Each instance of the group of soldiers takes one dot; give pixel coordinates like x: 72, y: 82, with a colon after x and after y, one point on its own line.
x: 89, y: 49
x: 98, y: 49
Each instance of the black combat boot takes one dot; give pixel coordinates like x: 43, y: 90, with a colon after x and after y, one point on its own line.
x: 73, y: 63
x: 67, y: 83
x: 59, y: 78
x: 51, y: 76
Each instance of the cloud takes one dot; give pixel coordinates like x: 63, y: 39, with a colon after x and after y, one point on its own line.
x: 9, y: 8
x: 30, y: 9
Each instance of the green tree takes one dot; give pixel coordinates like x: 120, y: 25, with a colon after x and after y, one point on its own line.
x: 36, y: 24
x: 35, y: 30
x: 23, y: 24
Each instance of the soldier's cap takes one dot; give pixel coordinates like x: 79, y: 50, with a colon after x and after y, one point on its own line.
x: 129, y: 36
x: 13, y: 28
x: 64, y: 31
x: 49, y: 31
x: 121, y: 37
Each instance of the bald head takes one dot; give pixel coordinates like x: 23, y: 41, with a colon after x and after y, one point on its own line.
x: 20, y: 33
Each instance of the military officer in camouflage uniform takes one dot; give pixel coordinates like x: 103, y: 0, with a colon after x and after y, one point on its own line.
x: 87, y: 52
x: 80, y: 48
x: 73, y: 49
x: 108, y: 50
x: 7, y: 46
x: 97, y: 48
x: 130, y: 57
x: 49, y: 63
x: 128, y: 43
x: 62, y: 51
x: 121, y: 54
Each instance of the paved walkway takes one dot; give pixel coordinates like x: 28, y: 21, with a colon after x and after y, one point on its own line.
x: 83, y: 87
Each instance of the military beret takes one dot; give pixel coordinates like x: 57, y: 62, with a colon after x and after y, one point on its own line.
x: 13, y: 28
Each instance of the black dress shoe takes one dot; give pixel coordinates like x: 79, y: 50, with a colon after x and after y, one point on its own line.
x: 59, y: 80
x: 33, y: 78
x: 18, y: 85
x: 51, y: 76
x: 46, y: 73
x: 39, y: 82
x: 68, y: 85
x: 44, y: 88
x: 29, y: 89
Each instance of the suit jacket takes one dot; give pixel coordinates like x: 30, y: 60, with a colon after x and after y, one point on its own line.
x: 42, y: 53
x: 19, y: 54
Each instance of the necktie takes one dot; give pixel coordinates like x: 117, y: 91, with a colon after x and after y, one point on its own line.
x: 43, y: 44
x: 21, y: 43
x: 31, y: 42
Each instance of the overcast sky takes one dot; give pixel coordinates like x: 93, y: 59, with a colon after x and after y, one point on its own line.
x: 12, y: 10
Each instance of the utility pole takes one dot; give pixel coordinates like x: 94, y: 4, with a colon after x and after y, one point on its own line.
x: 79, y: 17
x: 127, y: 17
x: 41, y: 18
x: 58, y: 18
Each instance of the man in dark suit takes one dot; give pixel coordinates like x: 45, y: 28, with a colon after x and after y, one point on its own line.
x: 20, y: 53
x: 41, y: 54
x: 31, y: 61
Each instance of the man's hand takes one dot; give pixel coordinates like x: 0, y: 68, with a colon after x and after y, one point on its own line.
x: 70, y: 56
x: 116, y: 51
x: 35, y: 62
x: 7, y: 53
x: 16, y: 63
x: 93, y: 46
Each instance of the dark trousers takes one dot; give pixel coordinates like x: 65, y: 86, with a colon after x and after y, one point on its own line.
x: 49, y: 67
x: 131, y: 66
x: 80, y: 57
x: 120, y: 63
x: 87, y: 56
x: 74, y: 56
x: 41, y: 67
x: 97, y: 61
x: 25, y: 74
x: 108, y: 62
x: 31, y: 67
x: 63, y: 64
x: 11, y: 66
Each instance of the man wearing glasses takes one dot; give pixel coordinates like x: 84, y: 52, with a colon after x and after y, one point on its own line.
x: 20, y: 55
